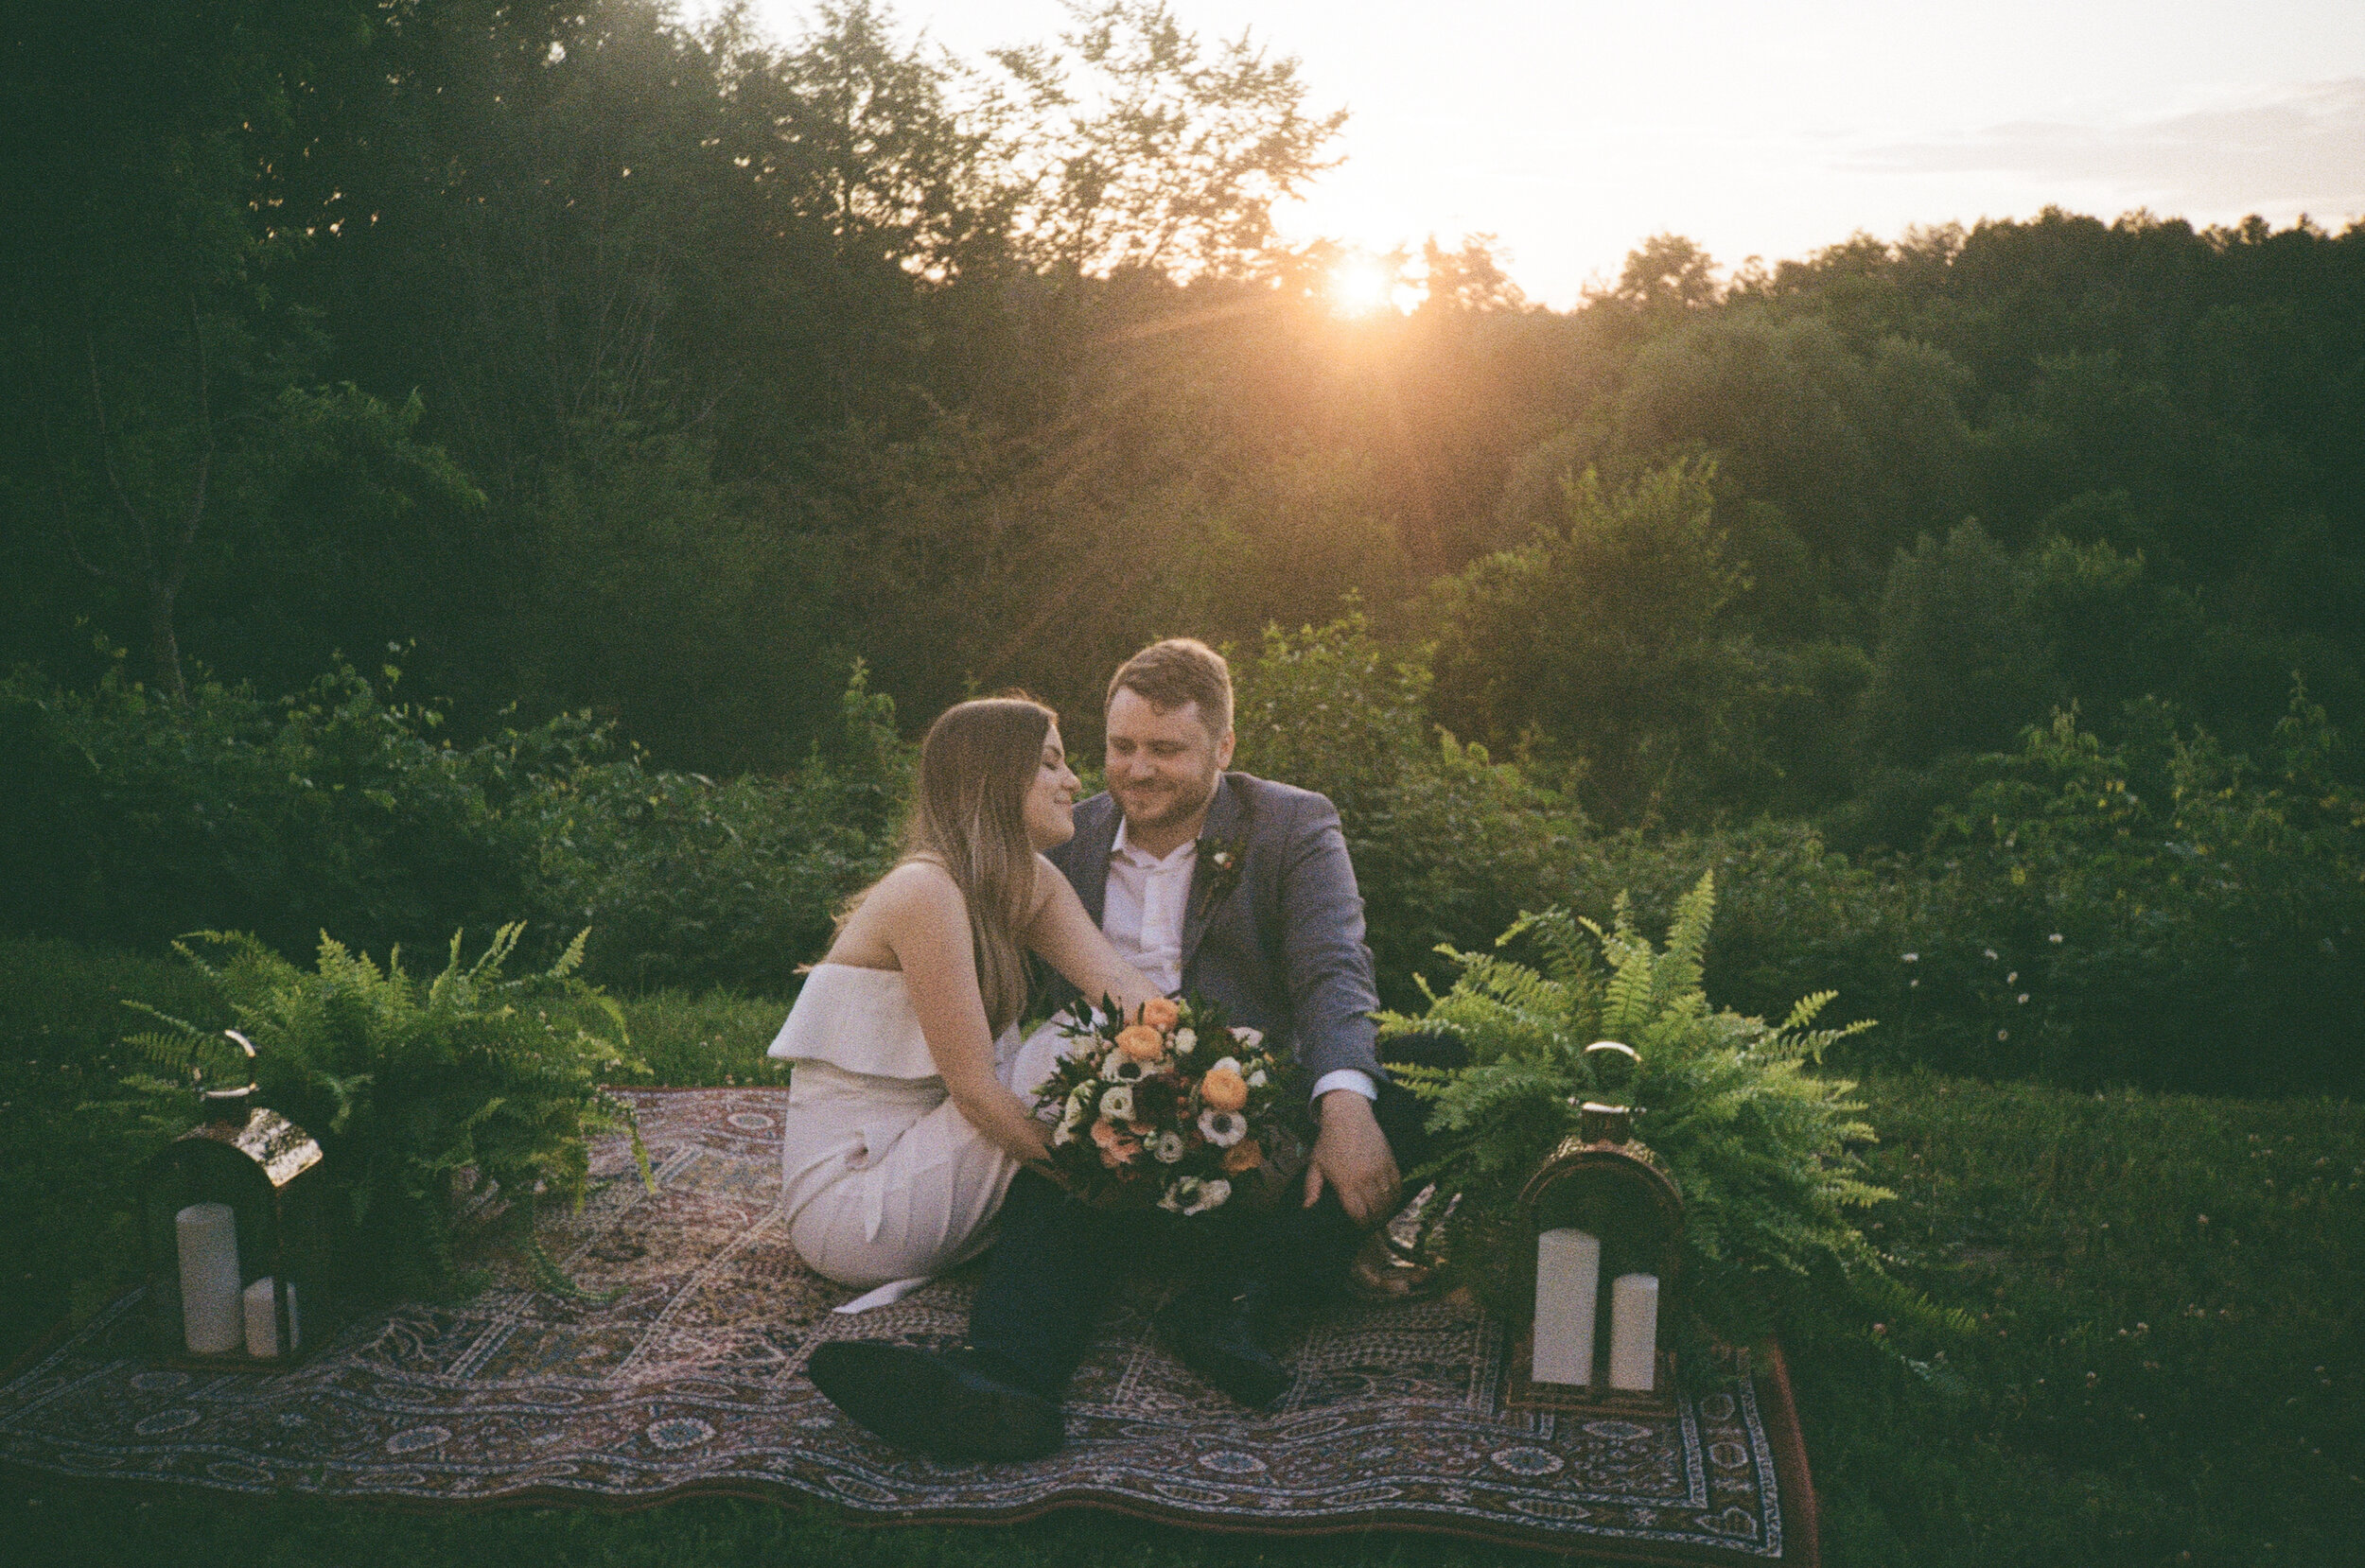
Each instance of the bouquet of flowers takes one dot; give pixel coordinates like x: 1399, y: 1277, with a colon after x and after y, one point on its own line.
x: 1173, y: 1109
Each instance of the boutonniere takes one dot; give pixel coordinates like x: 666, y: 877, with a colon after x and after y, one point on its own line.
x: 1223, y: 868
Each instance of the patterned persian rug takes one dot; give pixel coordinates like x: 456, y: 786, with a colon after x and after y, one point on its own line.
x: 690, y: 1380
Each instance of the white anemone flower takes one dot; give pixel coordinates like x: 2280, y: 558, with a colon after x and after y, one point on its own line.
x: 1118, y: 1103
x: 1211, y: 1196
x: 1190, y: 1195
x: 1122, y: 1069
x: 1223, y: 1128
x: 1169, y: 1148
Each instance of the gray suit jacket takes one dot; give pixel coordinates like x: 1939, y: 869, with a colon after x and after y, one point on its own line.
x: 1278, y: 941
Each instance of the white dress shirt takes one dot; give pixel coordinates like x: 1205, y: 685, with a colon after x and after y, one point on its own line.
x: 1140, y: 914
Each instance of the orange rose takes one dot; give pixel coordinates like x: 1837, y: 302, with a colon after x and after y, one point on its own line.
x: 1142, y: 1042
x: 1160, y: 1013
x: 1243, y: 1156
x: 1223, y: 1090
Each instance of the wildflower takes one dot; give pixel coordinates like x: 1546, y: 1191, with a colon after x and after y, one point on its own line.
x: 1118, y: 1103
x: 1911, y: 983
x: 1223, y: 1128
x: 2003, y: 1034
x: 2023, y: 999
x: 2011, y: 978
x: 1913, y: 958
x: 2055, y: 938
x: 1990, y: 954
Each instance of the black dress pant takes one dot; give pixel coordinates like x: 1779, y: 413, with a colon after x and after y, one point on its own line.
x: 1055, y: 1259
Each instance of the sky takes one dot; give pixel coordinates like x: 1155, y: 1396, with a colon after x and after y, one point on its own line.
x: 1573, y: 130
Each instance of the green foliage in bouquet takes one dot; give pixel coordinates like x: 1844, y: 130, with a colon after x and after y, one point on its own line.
x: 429, y: 1098
x: 1760, y: 1146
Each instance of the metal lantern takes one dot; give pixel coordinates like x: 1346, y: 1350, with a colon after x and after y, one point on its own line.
x: 1608, y: 1228
x: 233, y: 1226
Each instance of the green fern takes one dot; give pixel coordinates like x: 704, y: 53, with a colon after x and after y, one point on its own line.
x: 412, y: 1086
x: 1760, y: 1144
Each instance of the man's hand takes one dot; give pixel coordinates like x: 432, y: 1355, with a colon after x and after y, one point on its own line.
x: 1351, y: 1156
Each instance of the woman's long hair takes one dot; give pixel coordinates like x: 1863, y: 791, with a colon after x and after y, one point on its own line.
x: 969, y: 815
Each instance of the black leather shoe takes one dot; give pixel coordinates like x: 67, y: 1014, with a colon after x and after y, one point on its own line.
x: 941, y: 1405
x: 1216, y: 1339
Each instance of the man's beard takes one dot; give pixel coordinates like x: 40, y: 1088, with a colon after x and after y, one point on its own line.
x: 1181, y: 807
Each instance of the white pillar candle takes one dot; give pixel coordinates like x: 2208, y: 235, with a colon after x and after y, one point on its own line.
x: 1568, y: 1281
x: 1634, y: 1331
x: 262, y: 1319
x: 209, y: 1278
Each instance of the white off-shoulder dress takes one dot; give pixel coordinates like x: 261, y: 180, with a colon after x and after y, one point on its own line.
x: 885, y: 1182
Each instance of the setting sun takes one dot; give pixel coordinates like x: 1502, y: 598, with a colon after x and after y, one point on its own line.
x: 1359, y: 286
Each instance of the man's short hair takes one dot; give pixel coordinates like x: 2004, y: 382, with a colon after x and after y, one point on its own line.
x: 1179, y: 671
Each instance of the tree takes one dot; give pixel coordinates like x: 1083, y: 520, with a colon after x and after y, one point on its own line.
x: 148, y: 135
x: 1669, y: 272
x: 1604, y: 644
x: 1468, y: 279
x: 1149, y: 151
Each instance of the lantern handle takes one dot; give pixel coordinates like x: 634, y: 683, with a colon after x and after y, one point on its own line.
x: 197, y: 1070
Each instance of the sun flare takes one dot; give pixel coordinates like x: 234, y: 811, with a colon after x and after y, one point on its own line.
x: 1359, y: 286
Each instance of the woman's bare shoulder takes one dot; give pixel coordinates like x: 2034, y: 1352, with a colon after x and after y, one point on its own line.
x: 915, y: 882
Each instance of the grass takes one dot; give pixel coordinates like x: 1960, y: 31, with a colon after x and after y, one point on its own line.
x: 2168, y: 1290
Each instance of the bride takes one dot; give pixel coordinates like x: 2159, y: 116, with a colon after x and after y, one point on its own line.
x: 910, y: 1107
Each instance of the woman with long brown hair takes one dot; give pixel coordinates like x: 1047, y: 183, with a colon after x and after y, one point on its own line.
x: 909, y: 1107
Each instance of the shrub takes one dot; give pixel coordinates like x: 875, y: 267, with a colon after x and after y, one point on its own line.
x: 136, y: 819
x: 416, y: 1088
x: 2174, y: 913
x: 1448, y: 845
x: 133, y: 818
x: 687, y: 881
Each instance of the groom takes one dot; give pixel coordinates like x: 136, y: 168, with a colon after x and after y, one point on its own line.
x: 1237, y: 891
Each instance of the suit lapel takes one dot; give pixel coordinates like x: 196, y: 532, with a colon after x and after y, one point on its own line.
x: 1222, y: 826
x: 1090, y: 856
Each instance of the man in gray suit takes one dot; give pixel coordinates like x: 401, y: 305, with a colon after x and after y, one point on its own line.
x: 1230, y: 888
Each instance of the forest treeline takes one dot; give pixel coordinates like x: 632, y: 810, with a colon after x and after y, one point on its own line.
x: 597, y: 362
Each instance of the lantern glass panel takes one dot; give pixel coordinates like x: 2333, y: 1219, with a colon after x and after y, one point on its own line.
x: 266, y: 1170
